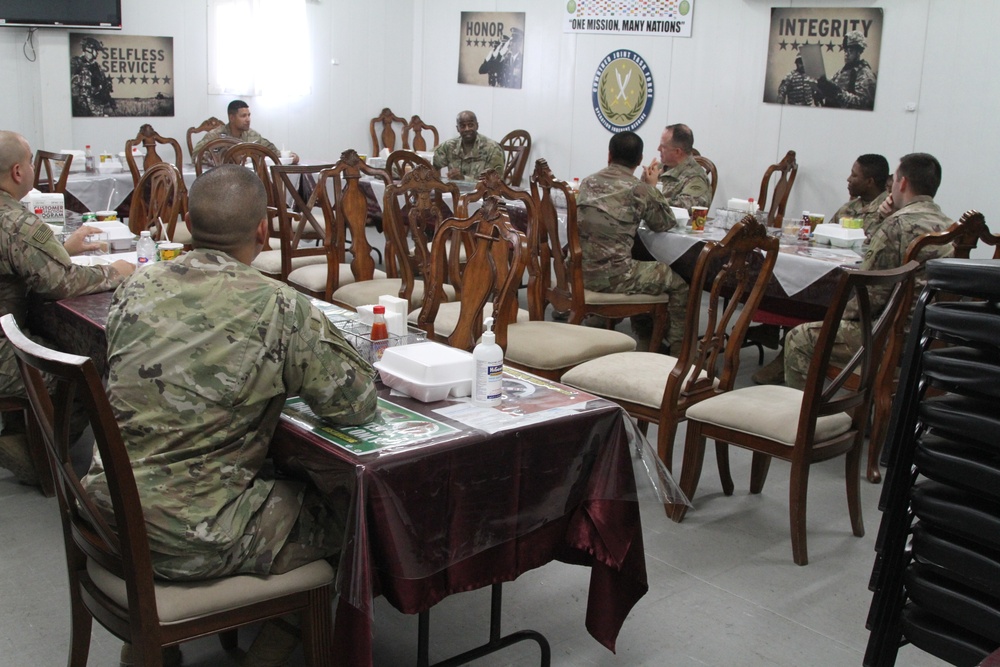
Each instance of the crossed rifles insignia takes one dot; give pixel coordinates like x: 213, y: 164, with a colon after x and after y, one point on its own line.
x: 622, y: 85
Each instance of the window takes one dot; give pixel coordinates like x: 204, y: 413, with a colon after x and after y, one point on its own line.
x: 258, y: 47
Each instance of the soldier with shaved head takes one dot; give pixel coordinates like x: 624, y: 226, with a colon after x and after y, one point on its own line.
x: 203, y: 351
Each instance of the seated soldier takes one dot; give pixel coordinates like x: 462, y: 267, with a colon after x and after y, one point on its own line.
x: 908, y: 212
x: 203, y: 351
x: 866, y: 185
x: 610, y: 206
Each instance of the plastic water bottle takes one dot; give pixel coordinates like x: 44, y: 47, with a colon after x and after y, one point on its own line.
x: 145, y: 249
x: 88, y: 161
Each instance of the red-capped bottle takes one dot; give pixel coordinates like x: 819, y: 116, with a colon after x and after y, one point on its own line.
x: 380, y: 333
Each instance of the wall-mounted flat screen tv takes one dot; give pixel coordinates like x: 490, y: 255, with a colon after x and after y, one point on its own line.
x: 62, y: 13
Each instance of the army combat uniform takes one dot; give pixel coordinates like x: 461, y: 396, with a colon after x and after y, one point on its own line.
x: 867, y: 212
x: 248, y: 137
x: 610, y: 206
x: 203, y: 351
x: 885, y: 250
x: 686, y: 185
x: 33, y: 261
x: 485, y: 154
x: 798, y: 89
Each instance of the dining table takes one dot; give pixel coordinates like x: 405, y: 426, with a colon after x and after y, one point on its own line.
x: 447, y: 497
x: 107, y: 190
x: 805, y: 272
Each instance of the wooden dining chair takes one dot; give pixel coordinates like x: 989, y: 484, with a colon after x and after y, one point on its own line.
x: 212, y: 154
x: 150, y: 139
x: 516, y: 147
x: 495, y: 259
x: 401, y: 161
x: 301, y: 225
x: 713, y: 175
x: 159, y: 203
x: 786, y: 170
x: 110, y: 568
x: 658, y: 388
x: 207, y: 125
x: 51, y: 171
x: 561, y: 264
x: 417, y: 127
x: 386, y: 138
x: 824, y: 420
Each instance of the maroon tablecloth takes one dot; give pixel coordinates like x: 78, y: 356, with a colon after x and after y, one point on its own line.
x: 460, y: 512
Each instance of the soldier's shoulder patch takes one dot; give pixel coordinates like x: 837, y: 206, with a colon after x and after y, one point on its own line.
x: 38, y: 233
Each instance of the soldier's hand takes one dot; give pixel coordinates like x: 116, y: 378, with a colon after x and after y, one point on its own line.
x: 77, y: 242
x: 455, y: 174
x: 827, y: 88
x: 886, y: 208
x: 651, y: 174
x: 124, y: 268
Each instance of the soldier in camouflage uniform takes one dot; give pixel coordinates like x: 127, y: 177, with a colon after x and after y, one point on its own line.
x: 853, y: 86
x: 682, y: 181
x: 911, y: 212
x: 238, y: 127
x: 203, y: 351
x: 797, y: 88
x: 91, y: 87
x: 469, y: 154
x: 610, y: 206
x: 33, y: 262
x: 866, y: 185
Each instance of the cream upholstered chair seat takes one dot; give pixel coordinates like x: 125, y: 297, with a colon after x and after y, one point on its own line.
x: 554, y: 346
x: 448, y: 313
x: 635, y: 377
x: 179, y: 601
x: 605, y: 298
x: 768, y: 411
x: 313, y: 276
x: 368, y: 291
x: 269, y: 261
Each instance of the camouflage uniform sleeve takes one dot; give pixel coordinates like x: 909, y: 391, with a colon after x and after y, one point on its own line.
x: 326, y: 372
x: 654, y: 207
x: 47, y: 269
x: 864, y: 95
x: 267, y: 144
x: 441, y: 157
x: 209, y: 136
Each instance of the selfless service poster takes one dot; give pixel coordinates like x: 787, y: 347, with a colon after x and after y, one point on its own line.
x: 121, y: 75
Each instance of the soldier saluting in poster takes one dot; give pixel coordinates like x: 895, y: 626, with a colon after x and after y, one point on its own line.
x: 504, y: 62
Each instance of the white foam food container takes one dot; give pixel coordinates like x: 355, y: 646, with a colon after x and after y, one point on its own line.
x: 119, y: 235
x: 427, y: 371
x: 681, y: 215
x: 836, y: 235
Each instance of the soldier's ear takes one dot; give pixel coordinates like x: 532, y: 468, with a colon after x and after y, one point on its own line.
x: 263, y: 231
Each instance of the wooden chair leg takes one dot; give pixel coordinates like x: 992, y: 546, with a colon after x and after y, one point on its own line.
x: 666, y: 433
x: 694, y: 457
x: 38, y: 456
x: 852, y: 464
x: 317, y: 629
x: 722, y: 461
x: 79, y: 641
x: 759, y: 466
x: 660, y: 317
x: 876, y: 438
x: 797, y: 494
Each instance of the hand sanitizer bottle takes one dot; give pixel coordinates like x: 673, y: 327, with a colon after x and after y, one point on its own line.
x: 487, y: 380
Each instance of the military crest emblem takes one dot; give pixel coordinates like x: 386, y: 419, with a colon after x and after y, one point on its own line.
x: 623, y: 91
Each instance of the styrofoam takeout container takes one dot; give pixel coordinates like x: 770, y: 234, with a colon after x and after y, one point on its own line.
x: 427, y: 371
x: 119, y: 235
x: 836, y: 235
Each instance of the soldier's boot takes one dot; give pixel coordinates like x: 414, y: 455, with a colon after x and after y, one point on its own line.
x: 14, y: 456
x: 772, y: 373
x: 273, y: 645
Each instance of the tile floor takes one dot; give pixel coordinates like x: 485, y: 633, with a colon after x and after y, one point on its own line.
x: 723, y: 588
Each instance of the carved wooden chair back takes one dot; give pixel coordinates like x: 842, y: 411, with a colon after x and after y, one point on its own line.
x: 417, y: 127
x: 516, y: 147
x: 786, y: 170
x: 386, y: 138
x: 207, y: 125
x: 51, y: 171
x: 150, y: 139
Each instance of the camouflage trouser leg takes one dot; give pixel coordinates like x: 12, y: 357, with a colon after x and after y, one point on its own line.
x: 658, y: 278
x: 295, y: 525
x: 800, y: 344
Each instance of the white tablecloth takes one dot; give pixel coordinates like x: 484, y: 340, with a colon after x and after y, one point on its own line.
x: 797, y: 267
x: 106, y: 191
